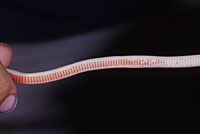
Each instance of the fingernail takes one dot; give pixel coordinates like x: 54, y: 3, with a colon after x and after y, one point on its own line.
x: 9, y: 104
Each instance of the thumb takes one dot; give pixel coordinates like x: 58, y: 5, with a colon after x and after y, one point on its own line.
x: 5, y: 54
x: 8, y: 90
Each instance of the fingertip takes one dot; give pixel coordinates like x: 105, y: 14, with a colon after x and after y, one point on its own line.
x: 9, y: 104
x: 5, y: 54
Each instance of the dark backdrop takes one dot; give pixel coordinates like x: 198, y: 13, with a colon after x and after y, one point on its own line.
x: 163, y: 28
x: 43, y: 20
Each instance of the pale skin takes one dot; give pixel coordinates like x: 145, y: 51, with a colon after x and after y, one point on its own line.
x: 8, y: 90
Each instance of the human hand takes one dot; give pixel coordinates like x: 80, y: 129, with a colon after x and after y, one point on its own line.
x: 8, y: 90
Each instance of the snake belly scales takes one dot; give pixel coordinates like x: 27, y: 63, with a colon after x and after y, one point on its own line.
x: 105, y: 63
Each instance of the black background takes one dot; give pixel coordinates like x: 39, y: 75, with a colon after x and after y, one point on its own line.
x: 116, y: 98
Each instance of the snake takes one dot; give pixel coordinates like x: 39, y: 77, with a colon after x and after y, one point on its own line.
x: 110, y: 62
